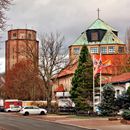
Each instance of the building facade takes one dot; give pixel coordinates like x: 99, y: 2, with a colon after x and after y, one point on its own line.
x: 18, y: 46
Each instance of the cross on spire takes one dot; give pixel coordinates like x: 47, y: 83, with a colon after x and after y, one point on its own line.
x: 98, y: 10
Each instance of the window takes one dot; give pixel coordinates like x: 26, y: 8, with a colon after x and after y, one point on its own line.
x: 29, y: 36
x: 121, y: 49
x: 14, y: 36
x: 28, y: 108
x: 103, y: 50
x: 93, y: 50
x: 22, y: 36
x: 111, y: 49
x: 94, y: 36
x: 76, y: 51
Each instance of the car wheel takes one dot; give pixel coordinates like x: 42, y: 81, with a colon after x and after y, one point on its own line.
x: 9, y: 110
x: 42, y: 113
x: 26, y: 113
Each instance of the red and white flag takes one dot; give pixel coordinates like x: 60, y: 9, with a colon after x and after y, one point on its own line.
x: 98, y: 65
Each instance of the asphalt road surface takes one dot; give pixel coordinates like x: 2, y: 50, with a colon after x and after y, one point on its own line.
x: 11, y: 122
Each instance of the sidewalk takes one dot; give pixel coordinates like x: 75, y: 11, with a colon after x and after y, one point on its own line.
x: 95, y: 123
x: 102, y: 124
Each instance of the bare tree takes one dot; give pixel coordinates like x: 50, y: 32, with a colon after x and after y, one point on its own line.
x: 4, y: 6
x: 52, y: 59
x: 128, y: 40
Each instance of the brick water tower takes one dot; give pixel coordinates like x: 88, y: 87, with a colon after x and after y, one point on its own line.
x: 18, y: 44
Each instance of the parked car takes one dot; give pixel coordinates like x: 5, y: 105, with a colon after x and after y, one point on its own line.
x: 32, y: 110
x: 2, y: 109
x: 13, y: 109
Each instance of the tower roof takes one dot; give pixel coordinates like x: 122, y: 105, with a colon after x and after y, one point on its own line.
x: 81, y: 40
x: 111, y: 38
x: 100, y: 24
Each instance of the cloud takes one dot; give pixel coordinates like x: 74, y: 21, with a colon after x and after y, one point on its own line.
x: 70, y: 17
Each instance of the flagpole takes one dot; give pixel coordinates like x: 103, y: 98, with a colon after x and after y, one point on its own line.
x: 100, y: 78
x: 93, y: 87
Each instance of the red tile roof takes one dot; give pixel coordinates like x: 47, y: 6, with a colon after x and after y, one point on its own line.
x: 117, y: 60
x: 68, y: 70
x: 119, y: 78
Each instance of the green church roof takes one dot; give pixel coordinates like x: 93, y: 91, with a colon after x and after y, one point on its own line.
x: 111, y: 38
x: 100, y: 24
x: 81, y: 40
x: 108, y: 38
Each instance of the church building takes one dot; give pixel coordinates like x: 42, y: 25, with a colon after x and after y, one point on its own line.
x: 101, y: 39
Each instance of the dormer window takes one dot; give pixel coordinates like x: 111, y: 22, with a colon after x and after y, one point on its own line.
x: 94, y: 36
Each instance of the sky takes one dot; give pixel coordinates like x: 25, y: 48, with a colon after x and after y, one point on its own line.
x: 69, y: 17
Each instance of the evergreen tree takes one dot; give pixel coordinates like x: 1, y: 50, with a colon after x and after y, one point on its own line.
x: 82, y: 82
x: 128, y: 91
x: 123, y: 100
x: 107, y: 106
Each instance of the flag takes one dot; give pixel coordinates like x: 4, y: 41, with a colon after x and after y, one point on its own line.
x: 98, y: 65
x: 106, y: 63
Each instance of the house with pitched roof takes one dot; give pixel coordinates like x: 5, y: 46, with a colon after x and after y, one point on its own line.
x: 121, y: 82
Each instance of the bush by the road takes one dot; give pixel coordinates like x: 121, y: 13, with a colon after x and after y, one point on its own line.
x: 126, y: 114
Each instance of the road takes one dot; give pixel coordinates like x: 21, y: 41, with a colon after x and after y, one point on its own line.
x: 11, y: 122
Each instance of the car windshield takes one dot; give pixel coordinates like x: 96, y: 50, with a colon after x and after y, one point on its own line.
x: 28, y: 107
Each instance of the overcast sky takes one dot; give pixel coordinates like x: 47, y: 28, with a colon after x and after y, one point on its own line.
x: 70, y: 17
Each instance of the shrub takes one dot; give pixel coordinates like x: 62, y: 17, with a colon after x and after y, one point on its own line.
x: 107, y: 106
x: 126, y: 114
